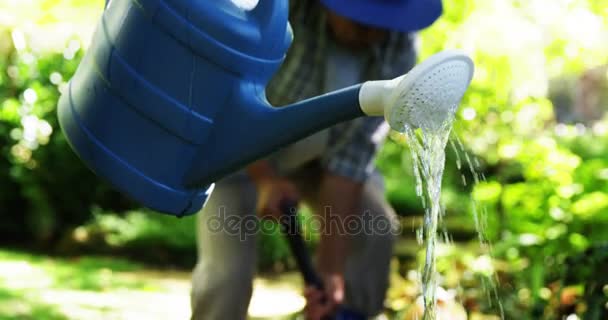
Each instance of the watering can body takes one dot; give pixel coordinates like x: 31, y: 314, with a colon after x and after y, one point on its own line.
x: 156, y: 82
x: 170, y: 97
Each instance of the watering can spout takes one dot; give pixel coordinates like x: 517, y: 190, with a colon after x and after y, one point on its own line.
x: 260, y: 129
x: 250, y: 128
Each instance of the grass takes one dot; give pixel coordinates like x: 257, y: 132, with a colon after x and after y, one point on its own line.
x: 94, y: 287
x: 82, y: 273
x: 44, y: 287
x: 16, y: 305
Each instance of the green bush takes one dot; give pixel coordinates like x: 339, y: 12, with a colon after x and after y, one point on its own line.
x: 46, y: 187
x: 546, y: 191
x: 544, y: 195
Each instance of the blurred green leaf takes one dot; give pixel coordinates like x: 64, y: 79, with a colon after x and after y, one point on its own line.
x: 590, y: 205
x: 487, y: 192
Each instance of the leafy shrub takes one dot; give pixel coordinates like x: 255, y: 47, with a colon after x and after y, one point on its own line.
x: 48, y: 189
x: 546, y: 186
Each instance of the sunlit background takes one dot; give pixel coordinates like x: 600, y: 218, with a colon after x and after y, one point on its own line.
x: 533, y: 125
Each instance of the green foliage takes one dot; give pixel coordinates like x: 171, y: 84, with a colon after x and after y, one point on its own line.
x: 46, y: 188
x: 546, y: 192
x: 546, y: 189
x: 141, y: 234
x: 145, y: 227
x: 587, y: 270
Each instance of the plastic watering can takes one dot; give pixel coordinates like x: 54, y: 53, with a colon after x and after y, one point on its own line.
x: 170, y: 97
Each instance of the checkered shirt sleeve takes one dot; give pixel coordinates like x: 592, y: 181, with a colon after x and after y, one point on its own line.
x: 353, y: 144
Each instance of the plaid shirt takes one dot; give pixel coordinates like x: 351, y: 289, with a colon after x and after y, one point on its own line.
x: 352, y: 144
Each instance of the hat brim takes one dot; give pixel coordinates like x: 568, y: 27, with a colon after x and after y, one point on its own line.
x: 404, y: 16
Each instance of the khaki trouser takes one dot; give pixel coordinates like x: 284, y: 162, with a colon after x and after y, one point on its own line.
x: 222, y: 279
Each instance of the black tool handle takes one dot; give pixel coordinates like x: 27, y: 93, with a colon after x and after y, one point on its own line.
x: 291, y: 229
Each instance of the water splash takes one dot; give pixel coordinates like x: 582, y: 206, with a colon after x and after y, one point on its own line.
x: 480, y: 214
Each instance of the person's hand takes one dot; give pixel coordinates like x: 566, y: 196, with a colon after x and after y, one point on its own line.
x: 272, y: 189
x: 320, y: 304
x: 271, y: 193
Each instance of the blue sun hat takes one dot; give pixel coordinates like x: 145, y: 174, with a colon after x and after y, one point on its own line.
x: 396, y: 15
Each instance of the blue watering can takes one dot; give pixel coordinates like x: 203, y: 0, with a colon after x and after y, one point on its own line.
x: 170, y: 97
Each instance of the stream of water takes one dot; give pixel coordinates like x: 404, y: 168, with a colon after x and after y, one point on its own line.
x: 428, y: 157
x: 427, y: 146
